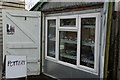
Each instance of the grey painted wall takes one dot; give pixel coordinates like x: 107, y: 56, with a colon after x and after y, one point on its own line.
x: 65, y: 73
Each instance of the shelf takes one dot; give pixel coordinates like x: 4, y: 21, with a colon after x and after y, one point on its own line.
x: 68, y: 26
x: 88, y: 26
x: 52, y: 39
x: 87, y: 61
x: 67, y: 56
x: 69, y: 41
x: 88, y: 44
x: 63, y: 55
x: 53, y: 26
x: 52, y: 53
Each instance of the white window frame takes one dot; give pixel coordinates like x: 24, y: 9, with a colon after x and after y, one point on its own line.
x: 65, y: 27
x: 76, y: 29
x: 69, y: 29
x: 97, y: 43
x: 46, y: 39
x: 62, y: 62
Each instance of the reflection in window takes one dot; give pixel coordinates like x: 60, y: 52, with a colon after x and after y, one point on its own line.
x: 87, y: 42
x: 88, y: 21
x: 68, y: 22
x: 51, y: 38
x: 68, y: 47
x: 87, y: 56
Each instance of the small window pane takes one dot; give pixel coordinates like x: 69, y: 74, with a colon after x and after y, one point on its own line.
x: 52, y: 23
x: 88, y: 21
x: 51, y: 38
x: 68, y: 22
x: 68, y: 47
x: 88, y: 42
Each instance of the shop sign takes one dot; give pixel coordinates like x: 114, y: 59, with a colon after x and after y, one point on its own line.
x: 15, y: 67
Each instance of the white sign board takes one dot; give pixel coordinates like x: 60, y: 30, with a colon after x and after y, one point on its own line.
x: 15, y: 66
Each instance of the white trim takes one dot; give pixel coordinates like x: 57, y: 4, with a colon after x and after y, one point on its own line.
x: 46, y: 40
x: 51, y: 76
x: 79, y: 43
x: 76, y: 29
x: 46, y: 37
x: 57, y: 42
x: 89, y: 15
x: 40, y: 37
x: 67, y: 64
x: 65, y: 29
x: 97, y: 48
x: 68, y: 17
x: 97, y: 42
x: 50, y: 59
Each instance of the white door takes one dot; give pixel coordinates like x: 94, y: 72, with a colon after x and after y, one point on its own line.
x: 21, y: 36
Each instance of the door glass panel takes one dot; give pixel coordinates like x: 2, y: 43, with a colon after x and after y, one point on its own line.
x: 51, y: 38
x: 68, y: 22
x: 87, y: 55
x: 68, y: 47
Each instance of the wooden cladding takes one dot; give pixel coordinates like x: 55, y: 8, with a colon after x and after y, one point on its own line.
x: 12, y: 5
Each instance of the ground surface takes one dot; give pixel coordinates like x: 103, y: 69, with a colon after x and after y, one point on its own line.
x: 41, y: 77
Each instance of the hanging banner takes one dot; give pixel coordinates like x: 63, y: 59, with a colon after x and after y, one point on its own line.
x: 15, y: 66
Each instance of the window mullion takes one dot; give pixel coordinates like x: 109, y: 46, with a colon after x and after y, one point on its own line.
x: 79, y: 41
x: 57, y: 39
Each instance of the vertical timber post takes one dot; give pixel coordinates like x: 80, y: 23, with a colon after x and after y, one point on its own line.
x: 107, y: 48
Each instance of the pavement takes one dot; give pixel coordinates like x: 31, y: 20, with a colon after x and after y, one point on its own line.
x: 40, y: 77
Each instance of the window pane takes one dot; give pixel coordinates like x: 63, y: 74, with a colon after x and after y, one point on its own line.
x: 51, y: 38
x: 68, y: 47
x: 68, y: 22
x: 88, y: 42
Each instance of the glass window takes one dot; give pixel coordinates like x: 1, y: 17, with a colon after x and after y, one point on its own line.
x: 51, y: 38
x: 73, y: 41
x: 68, y: 46
x: 68, y: 22
x: 87, y: 55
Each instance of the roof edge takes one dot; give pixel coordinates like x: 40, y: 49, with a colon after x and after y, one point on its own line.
x: 37, y: 5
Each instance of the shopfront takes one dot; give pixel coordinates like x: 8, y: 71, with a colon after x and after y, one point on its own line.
x: 64, y: 40
x: 72, y: 40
